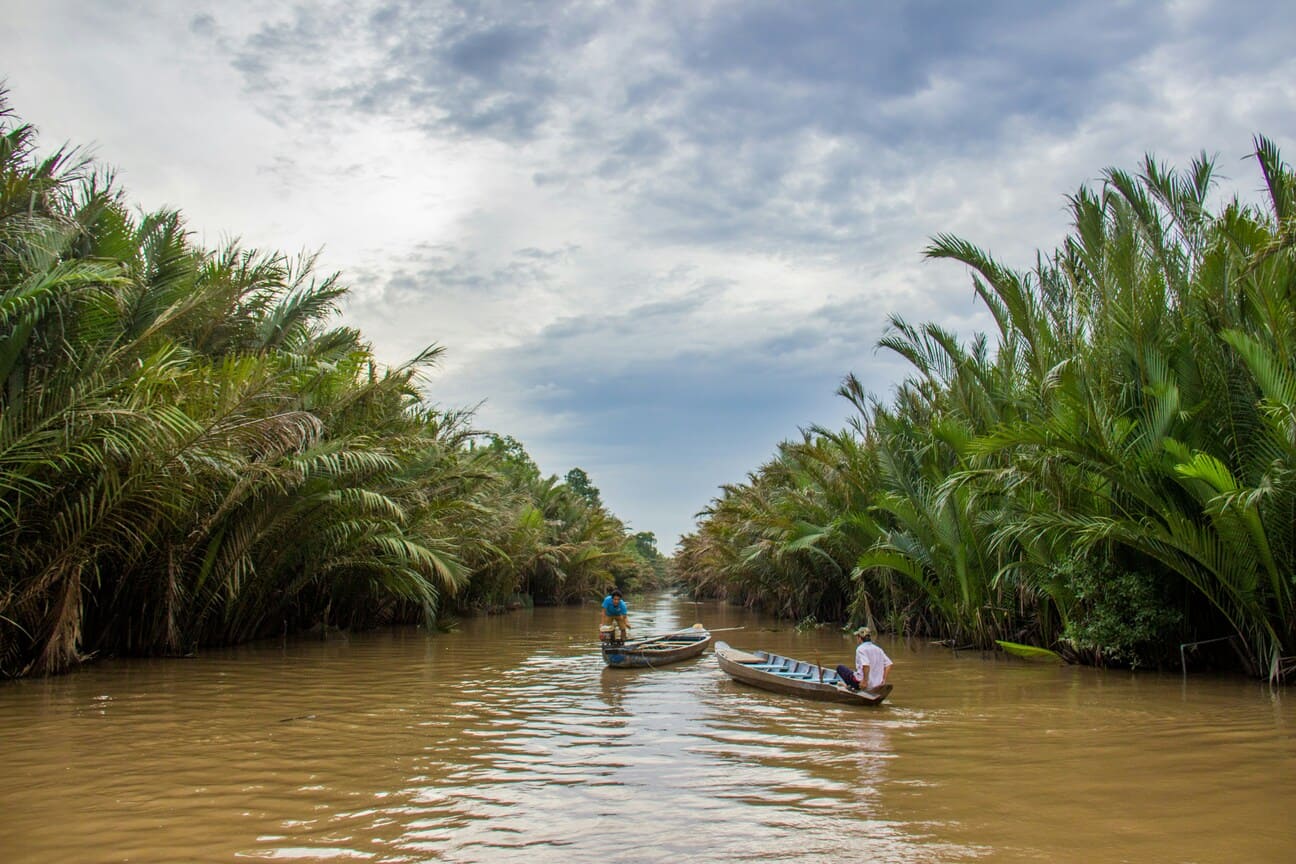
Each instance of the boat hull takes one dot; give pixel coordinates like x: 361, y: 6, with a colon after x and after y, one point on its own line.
x: 658, y: 651
x: 780, y: 674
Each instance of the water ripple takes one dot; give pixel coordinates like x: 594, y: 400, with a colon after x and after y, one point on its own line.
x: 509, y: 741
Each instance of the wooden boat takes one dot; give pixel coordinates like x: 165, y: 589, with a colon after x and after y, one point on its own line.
x: 795, y: 677
x: 657, y: 650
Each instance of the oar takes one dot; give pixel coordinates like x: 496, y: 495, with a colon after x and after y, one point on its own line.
x: 687, y: 629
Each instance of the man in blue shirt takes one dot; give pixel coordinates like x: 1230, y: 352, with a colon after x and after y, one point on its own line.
x: 615, y: 611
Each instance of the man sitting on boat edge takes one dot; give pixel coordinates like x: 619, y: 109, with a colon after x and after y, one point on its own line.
x: 872, y: 665
x: 615, y: 611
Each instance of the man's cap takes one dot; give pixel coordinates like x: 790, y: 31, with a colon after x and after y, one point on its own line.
x: 865, y: 632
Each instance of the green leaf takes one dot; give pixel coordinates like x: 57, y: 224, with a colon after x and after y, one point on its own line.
x: 1030, y: 652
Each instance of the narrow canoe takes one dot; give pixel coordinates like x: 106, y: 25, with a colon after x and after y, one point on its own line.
x: 657, y: 650
x: 795, y: 677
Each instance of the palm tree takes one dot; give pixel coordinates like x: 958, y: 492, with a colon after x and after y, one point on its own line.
x: 193, y: 452
x: 1129, y: 435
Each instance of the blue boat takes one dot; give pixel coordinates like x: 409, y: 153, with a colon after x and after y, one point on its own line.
x: 781, y: 674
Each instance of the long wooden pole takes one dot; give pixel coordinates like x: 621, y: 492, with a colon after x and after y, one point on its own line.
x: 687, y: 629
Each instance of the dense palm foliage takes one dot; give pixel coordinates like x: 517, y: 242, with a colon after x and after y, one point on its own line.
x: 192, y: 453
x: 1114, y: 477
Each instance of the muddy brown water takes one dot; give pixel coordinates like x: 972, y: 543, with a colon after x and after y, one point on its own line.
x: 508, y: 740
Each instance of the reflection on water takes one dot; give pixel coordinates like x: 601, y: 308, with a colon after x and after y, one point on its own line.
x: 509, y: 741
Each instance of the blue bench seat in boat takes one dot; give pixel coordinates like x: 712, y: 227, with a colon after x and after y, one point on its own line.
x: 784, y: 670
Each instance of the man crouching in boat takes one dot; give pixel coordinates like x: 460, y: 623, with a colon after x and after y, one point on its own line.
x: 872, y: 665
x: 615, y: 612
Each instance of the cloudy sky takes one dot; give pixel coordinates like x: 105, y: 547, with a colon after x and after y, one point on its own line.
x: 652, y: 236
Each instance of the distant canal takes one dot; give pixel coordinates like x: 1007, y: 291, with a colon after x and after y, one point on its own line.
x: 508, y: 741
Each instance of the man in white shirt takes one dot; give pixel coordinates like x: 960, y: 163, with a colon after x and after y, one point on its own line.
x: 872, y: 665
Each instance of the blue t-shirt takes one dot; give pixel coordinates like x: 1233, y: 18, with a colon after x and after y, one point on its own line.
x: 613, y: 608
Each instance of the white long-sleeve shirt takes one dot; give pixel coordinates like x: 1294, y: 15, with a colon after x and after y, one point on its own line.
x: 870, y: 655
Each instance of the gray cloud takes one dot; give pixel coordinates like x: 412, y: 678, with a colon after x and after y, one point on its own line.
x: 754, y: 129
x: 444, y: 271
x: 653, y: 235
x: 718, y: 412
x: 711, y: 119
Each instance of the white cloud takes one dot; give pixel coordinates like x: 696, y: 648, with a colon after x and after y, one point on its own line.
x: 653, y: 236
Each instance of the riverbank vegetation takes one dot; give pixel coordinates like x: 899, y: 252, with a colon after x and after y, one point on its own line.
x: 1111, y: 475
x: 194, y: 451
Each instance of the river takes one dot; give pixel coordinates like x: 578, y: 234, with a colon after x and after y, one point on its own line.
x: 507, y: 740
